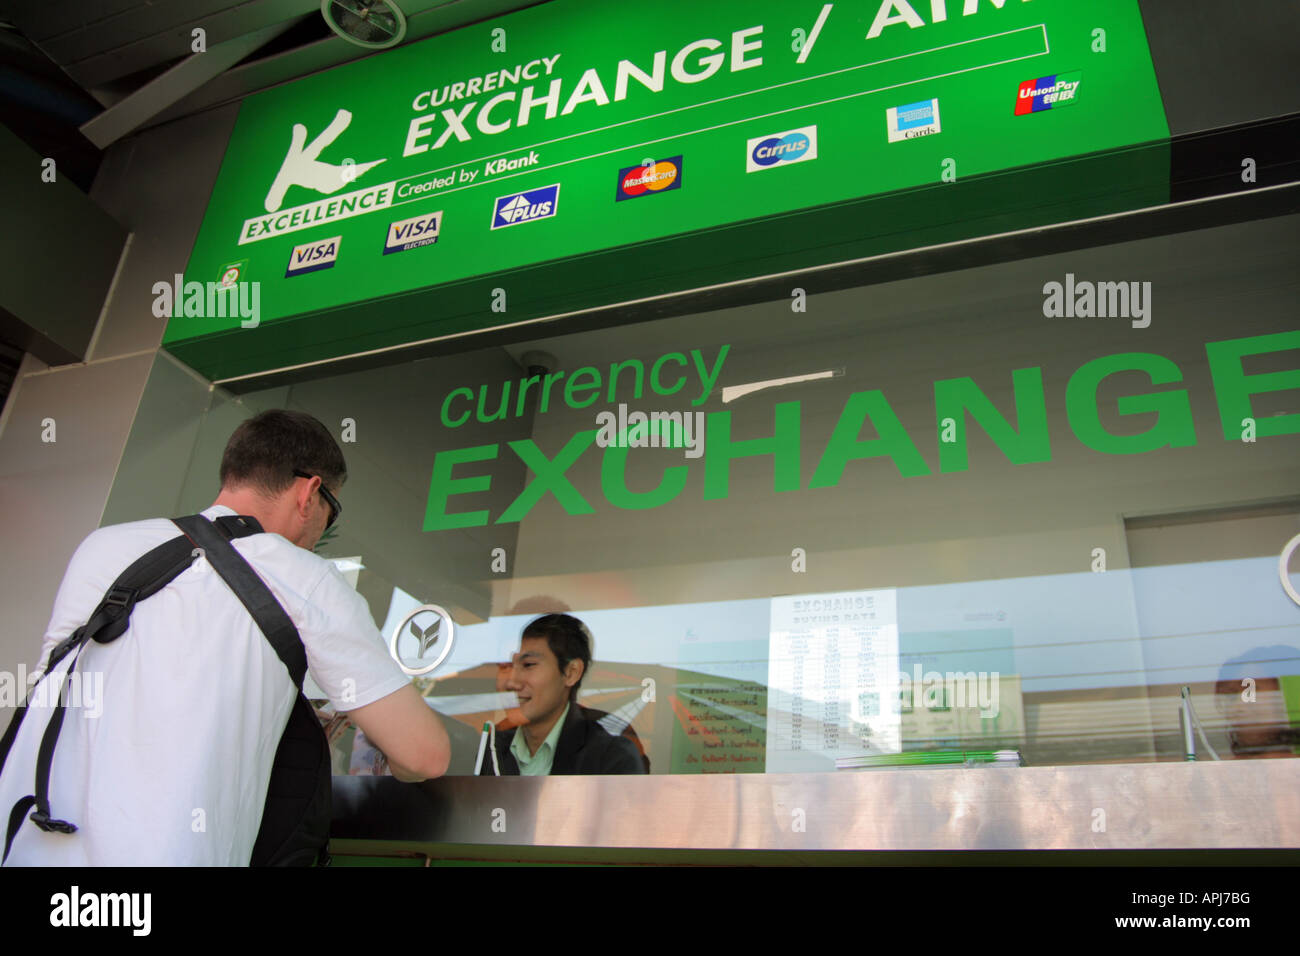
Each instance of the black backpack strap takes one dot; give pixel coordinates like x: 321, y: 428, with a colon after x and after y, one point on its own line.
x: 45, y: 761
x: 303, y: 754
x: 296, y: 816
x: 237, y: 526
x: 251, y: 591
x: 144, y: 577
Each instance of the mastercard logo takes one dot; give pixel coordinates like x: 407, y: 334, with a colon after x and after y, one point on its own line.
x: 647, y: 179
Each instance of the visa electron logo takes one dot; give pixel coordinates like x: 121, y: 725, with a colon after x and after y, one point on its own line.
x: 795, y: 146
x: 1046, y: 92
x: 413, y: 233
x: 912, y: 120
x: 302, y: 168
x: 649, y: 178
x: 526, y: 206
x: 313, y: 256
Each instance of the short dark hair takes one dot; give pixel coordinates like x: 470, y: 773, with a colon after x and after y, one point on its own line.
x: 265, y: 450
x: 568, y: 639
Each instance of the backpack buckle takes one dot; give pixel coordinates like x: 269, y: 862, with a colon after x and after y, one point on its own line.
x: 43, y: 821
x: 121, y: 596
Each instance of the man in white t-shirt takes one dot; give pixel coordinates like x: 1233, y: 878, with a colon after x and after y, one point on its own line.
x: 167, y: 744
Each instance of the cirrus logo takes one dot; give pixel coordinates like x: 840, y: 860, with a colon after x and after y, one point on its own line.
x: 792, y: 146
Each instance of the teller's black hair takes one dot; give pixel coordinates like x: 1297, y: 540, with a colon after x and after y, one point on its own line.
x: 569, y: 640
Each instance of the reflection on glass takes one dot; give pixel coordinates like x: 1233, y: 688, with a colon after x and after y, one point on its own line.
x: 986, y: 537
x: 555, y: 734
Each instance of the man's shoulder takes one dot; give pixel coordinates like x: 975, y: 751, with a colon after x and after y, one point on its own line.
x: 149, y: 532
x: 112, y: 534
x: 600, y: 722
x: 108, y: 550
x: 287, y: 568
x: 612, y: 748
x: 590, y: 714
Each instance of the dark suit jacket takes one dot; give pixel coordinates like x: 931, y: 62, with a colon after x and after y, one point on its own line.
x: 583, y: 747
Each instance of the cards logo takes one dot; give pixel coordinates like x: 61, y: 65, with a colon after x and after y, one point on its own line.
x: 912, y: 120
x: 1046, y: 92
x: 646, y: 180
x: 793, y: 146
x: 413, y: 233
x: 313, y: 256
x: 526, y: 206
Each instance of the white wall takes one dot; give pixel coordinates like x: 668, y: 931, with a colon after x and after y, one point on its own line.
x: 53, y: 494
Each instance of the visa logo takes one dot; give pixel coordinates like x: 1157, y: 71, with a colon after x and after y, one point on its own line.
x: 313, y: 256
x: 526, y: 206
x: 413, y: 233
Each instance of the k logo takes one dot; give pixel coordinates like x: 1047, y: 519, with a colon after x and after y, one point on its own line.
x: 427, y: 637
x: 302, y: 168
x: 1283, y: 571
x: 433, y: 630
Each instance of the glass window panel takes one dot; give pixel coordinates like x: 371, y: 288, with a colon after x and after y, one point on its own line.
x: 929, y: 523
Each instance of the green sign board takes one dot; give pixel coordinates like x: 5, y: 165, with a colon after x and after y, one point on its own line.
x: 565, y: 130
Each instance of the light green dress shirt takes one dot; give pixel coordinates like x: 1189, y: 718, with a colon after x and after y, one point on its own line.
x: 538, y: 764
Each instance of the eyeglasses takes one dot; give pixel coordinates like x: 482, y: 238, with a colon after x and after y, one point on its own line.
x: 336, y: 509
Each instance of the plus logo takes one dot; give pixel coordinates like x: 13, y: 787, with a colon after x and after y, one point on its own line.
x: 526, y: 206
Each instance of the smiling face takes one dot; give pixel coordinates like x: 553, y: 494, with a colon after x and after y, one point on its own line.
x: 536, y: 680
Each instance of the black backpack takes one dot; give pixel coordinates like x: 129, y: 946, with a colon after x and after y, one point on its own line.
x: 296, y: 817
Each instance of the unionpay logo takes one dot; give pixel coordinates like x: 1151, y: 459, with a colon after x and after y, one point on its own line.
x: 793, y: 146
x: 649, y: 179
x: 526, y: 207
x: 413, y: 233
x: 313, y: 256
x: 1048, y: 92
x: 912, y: 120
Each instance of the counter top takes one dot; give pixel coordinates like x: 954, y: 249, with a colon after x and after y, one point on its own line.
x: 1162, y: 806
